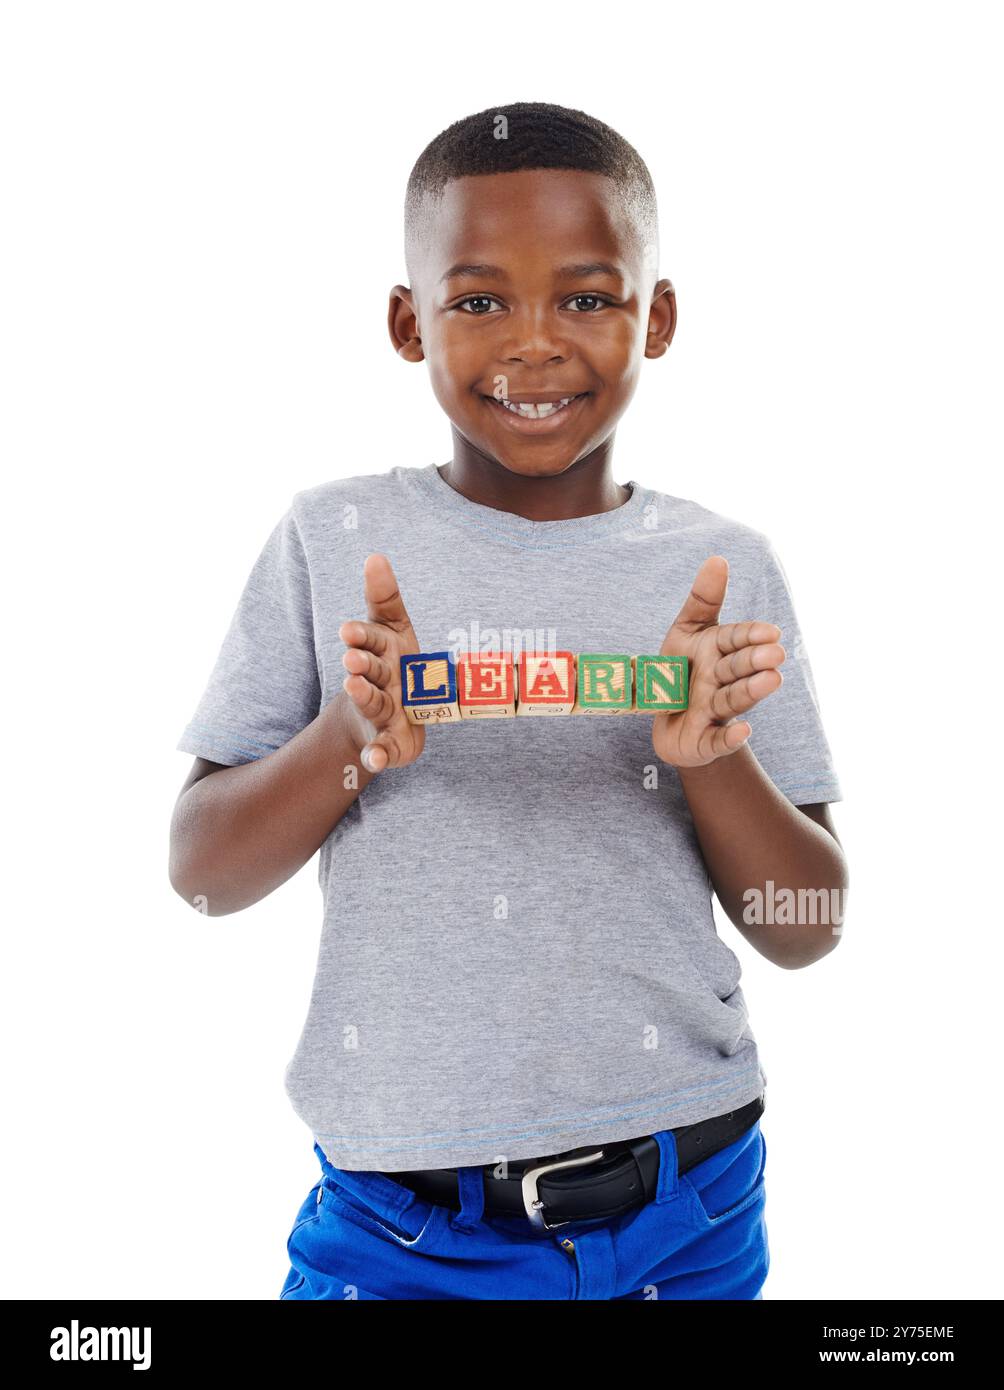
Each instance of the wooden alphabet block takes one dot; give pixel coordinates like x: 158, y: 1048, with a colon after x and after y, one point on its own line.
x: 605, y: 684
x: 546, y: 683
x: 661, y: 683
x: 429, y: 688
x: 486, y: 684
x: 490, y: 685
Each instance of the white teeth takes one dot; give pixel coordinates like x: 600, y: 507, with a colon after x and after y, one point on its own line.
x: 536, y: 412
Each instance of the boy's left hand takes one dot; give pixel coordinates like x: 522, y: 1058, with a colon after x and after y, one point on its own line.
x: 732, y: 668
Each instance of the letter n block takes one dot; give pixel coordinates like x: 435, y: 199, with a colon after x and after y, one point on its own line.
x: 429, y: 688
x: 486, y: 684
x: 546, y: 683
x: 605, y: 684
x: 661, y: 683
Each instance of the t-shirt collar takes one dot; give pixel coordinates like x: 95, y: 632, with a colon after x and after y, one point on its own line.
x: 576, y: 530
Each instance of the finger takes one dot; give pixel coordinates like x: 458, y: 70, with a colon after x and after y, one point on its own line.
x: 742, y: 695
x: 356, y: 633
x: 702, y: 605
x: 381, y: 752
x: 372, y: 703
x: 747, y: 660
x: 718, y: 740
x: 384, y: 603
x: 733, y: 636
x: 374, y: 757
x: 361, y: 662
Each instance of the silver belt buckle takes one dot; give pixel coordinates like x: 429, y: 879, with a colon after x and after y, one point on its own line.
x: 531, y: 1201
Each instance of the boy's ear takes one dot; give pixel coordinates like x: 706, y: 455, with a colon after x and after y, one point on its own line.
x: 661, y: 319
x: 402, y: 324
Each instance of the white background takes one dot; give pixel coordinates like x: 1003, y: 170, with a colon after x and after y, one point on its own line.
x: 203, y: 207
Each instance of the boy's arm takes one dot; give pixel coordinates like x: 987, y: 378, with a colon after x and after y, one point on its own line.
x: 237, y: 833
x: 760, y: 812
x: 820, y: 813
x: 749, y: 833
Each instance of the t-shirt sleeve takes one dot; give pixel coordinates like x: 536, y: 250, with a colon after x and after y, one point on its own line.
x: 788, y: 737
x: 265, y: 686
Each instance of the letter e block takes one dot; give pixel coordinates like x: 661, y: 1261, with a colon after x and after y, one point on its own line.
x: 486, y: 684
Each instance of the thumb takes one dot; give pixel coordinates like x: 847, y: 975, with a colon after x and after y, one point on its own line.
x: 384, y: 603
x: 704, y: 602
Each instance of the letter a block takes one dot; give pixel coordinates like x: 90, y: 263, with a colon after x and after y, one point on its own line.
x: 605, y: 684
x: 661, y: 683
x: 546, y: 683
x: 429, y: 688
x: 486, y: 684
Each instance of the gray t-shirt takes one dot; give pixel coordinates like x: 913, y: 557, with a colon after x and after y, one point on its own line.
x: 518, y: 953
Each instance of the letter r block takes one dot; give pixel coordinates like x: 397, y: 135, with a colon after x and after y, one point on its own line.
x: 605, y: 684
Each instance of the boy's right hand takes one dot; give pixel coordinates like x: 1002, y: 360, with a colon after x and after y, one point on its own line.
x: 383, y: 734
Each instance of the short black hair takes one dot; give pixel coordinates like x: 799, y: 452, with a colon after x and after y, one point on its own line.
x: 529, y: 135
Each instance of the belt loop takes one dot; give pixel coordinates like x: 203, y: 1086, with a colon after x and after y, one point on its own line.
x: 471, y: 1183
x: 668, y: 1186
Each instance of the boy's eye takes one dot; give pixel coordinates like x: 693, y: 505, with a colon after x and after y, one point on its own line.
x: 488, y: 299
x: 477, y: 299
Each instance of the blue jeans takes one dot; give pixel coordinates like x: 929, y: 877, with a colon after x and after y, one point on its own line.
x: 360, y: 1234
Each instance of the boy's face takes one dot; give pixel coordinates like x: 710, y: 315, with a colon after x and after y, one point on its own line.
x: 534, y: 327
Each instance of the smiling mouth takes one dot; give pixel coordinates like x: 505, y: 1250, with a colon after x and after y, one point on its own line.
x: 541, y: 411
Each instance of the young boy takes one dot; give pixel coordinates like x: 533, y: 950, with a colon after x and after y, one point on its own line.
x: 527, y: 1065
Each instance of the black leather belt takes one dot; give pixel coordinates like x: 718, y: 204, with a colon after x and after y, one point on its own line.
x: 596, y: 1182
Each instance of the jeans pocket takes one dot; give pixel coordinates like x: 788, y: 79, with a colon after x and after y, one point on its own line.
x: 411, y: 1227
x: 310, y: 1210
x: 730, y: 1181
x: 308, y: 1216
